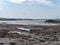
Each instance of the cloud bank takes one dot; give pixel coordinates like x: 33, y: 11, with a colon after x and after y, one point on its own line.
x: 44, y: 2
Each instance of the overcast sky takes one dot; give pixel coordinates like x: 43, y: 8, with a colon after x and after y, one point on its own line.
x: 30, y: 9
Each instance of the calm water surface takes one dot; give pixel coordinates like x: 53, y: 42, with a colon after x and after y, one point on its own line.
x: 29, y: 22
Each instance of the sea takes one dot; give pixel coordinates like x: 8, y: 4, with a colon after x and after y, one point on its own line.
x: 29, y: 22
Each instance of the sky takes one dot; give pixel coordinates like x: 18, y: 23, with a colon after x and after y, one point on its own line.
x: 35, y: 9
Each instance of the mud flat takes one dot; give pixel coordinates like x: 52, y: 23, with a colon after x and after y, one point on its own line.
x: 18, y: 34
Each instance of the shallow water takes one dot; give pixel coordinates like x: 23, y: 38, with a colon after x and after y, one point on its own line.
x: 30, y: 22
